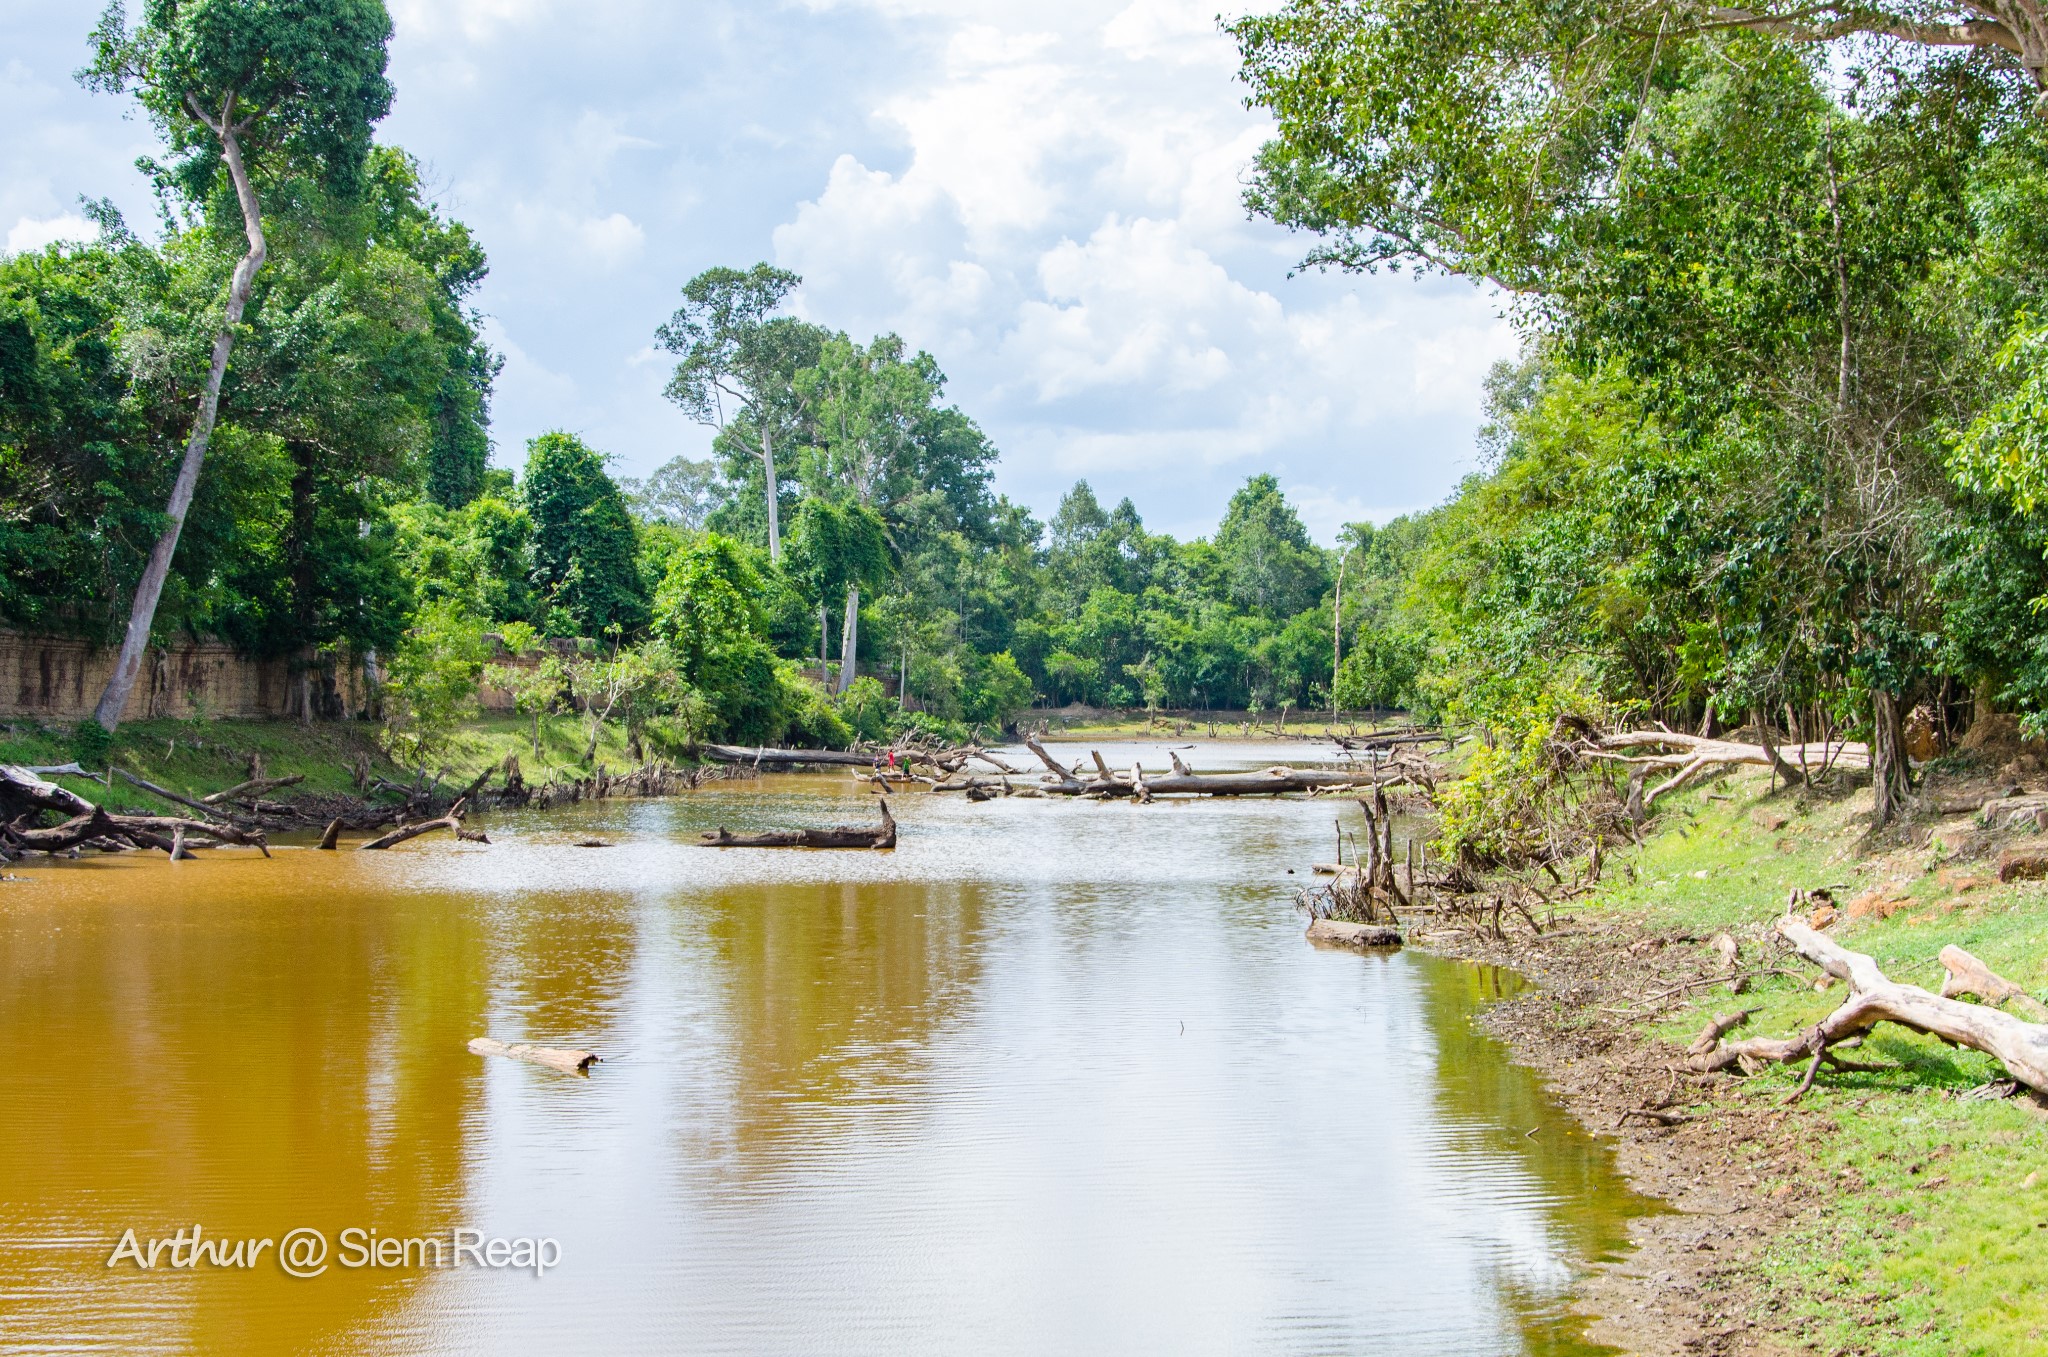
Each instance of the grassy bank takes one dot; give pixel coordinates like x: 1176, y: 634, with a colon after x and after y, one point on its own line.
x: 198, y: 757
x: 1907, y: 1219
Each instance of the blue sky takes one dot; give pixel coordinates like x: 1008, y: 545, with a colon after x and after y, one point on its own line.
x: 1044, y: 195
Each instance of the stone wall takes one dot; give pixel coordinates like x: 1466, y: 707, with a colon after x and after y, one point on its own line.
x: 60, y: 679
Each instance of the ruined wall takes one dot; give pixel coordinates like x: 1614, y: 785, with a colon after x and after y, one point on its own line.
x: 57, y: 678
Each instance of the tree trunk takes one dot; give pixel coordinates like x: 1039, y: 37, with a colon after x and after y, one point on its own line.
x: 824, y: 645
x: 142, y: 612
x: 774, y: 494
x: 849, y: 638
x: 1891, y: 777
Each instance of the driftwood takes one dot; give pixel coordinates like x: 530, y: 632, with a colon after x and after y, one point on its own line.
x: 1965, y: 975
x: 167, y: 794
x: 2021, y: 1046
x: 332, y: 837
x: 1106, y: 782
x: 839, y: 836
x: 451, y: 821
x: 565, y: 1059
x: 254, y: 787
x: 1688, y: 756
x: 21, y: 790
x: 1344, y: 933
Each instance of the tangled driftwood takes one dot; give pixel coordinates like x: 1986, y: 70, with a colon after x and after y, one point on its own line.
x: 2021, y: 1046
x: 1106, y: 782
x: 25, y: 797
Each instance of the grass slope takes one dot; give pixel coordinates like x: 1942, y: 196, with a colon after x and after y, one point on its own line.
x: 1936, y: 1241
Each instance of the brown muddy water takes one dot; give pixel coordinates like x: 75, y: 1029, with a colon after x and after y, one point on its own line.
x: 1053, y: 1077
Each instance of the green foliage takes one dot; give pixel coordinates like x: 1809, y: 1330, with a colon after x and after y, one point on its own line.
x: 868, y: 711
x: 584, y: 542
x: 91, y: 742
x: 2004, y: 451
x: 300, y: 81
x: 432, y: 685
x: 813, y: 720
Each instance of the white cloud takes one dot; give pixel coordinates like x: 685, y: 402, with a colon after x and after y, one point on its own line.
x: 472, y: 19
x: 30, y: 233
x: 611, y: 240
x: 1066, y: 231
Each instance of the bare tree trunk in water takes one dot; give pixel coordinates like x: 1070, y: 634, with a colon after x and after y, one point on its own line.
x: 849, y: 637
x: 774, y: 495
x: 1891, y: 775
x: 142, y: 612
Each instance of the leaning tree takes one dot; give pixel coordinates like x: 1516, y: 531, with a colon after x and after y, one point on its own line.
x: 256, y: 92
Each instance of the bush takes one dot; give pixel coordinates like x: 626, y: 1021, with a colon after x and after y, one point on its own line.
x: 868, y: 709
x: 91, y: 743
x: 813, y: 723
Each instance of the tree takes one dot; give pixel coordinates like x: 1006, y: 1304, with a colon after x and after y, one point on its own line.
x: 583, y: 538
x: 1270, y: 565
x: 835, y: 550
x: 279, y: 88
x: 732, y: 353
x: 533, y: 688
x: 681, y: 491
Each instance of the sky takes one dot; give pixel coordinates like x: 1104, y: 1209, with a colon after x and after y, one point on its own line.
x: 1044, y: 194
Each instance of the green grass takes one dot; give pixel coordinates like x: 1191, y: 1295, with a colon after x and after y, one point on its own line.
x: 198, y: 757
x: 1935, y: 1230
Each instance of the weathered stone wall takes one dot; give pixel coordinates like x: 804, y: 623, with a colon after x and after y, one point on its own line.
x: 57, y: 678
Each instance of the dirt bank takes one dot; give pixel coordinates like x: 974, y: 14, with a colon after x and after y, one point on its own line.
x: 1896, y: 1208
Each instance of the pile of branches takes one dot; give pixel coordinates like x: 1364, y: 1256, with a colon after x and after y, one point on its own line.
x: 27, y: 801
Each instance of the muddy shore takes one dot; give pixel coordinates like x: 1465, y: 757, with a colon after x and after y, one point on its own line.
x: 1690, y: 1285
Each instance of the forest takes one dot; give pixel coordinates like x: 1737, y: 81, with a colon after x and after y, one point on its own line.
x: 1775, y: 451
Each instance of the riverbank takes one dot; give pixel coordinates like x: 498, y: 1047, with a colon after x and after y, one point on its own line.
x: 1889, y: 1211
x: 340, y: 763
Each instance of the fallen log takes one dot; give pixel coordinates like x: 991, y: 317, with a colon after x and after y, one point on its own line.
x: 21, y: 789
x: 1691, y: 755
x: 333, y: 834
x: 168, y: 824
x: 253, y: 787
x: 451, y: 821
x: 2021, y: 1046
x: 1969, y: 976
x: 167, y: 794
x: 839, y: 836
x: 1343, y: 933
x: 565, y: 1059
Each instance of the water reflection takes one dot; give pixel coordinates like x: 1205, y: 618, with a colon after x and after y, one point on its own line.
x: 1053, y: 1077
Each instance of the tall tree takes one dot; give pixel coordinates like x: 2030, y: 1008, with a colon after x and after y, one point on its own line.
x: 583, y: 538
x: 736, y: 361
x: 279, y: 88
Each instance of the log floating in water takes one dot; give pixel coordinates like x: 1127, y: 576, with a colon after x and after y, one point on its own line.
x: 839, y: 836
x: 565, y: 1059
x: 1343, y: 933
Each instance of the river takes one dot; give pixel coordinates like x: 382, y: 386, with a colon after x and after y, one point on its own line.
x: 1051, y: 1077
